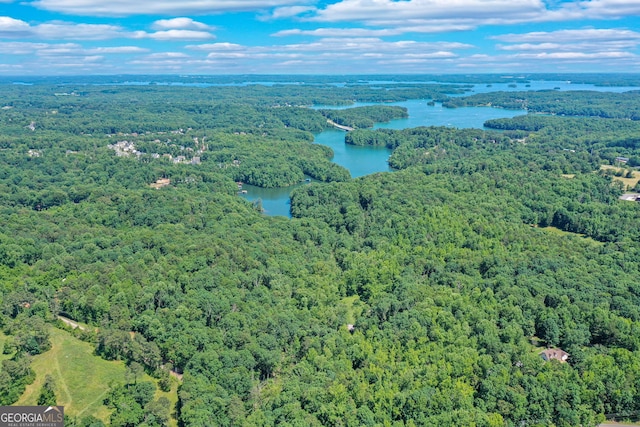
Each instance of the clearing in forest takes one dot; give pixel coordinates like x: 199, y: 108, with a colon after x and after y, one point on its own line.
x: 81, y: 378
x: 629, y: 183
x: 559, y: 232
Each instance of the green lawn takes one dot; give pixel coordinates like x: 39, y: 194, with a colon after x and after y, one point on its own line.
x: 82, y: 379
x: 172, y: 395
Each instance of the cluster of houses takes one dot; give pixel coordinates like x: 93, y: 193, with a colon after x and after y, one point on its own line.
x: 128, y: 148
x: 125, y: 149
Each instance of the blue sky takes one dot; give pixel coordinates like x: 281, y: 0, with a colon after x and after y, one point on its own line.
x: 63, y: 37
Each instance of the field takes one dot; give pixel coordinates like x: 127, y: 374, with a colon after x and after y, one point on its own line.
x: 629, y: 183
x: 82, y: 379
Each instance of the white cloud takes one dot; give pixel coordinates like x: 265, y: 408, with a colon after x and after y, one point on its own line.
x: 288, y: 12
x: 167, y: 55
x: 62, y: 49
x: 59, y: 58
x: 13, y: 28
x: 371, y: 45
x: 118, y: 50
x: 338, y: 32
x: 587, y: 46
x: 531, y: 46
x: 58, y: 30
x: 159, y: 7
x: 598, y: 56
x: 609, y: 8
x: 217, y: 47
x: 368, y: 32
x: 468, y: 14
x: 334, y: 52
x: 71, y: 31
x: 377, y: 12
x: 227, y: 55
x: 589, y: 42
x: 94, y: 58
x: 180, y: 24
x: 21, y: 48
x: 363, y: 45
x: 56, y: 49
x: 180, y: 35
x: 564, y: 36
x: 331, y: 45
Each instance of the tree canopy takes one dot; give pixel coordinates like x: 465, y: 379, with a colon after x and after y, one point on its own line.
x: 455, y: 271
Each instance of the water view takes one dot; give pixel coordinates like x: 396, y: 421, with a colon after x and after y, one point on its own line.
x: 362, y: 161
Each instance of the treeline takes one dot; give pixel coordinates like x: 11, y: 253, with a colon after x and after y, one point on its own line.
x: 75, y: 108
x: 599, y: 79
x: 365, y: 117
x: 256, y: 139
x: 517, y: 163
x: 566, y: 103
x: 608, y: 138
x: 428, y: 144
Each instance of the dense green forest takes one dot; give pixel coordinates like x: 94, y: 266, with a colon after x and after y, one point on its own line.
x: 420, y: 297
x: 575, y: 103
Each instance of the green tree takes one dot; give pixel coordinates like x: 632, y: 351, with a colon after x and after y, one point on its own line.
x: 47, y: 395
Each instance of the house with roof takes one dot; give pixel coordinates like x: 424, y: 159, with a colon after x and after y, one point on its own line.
x: 554, y: 354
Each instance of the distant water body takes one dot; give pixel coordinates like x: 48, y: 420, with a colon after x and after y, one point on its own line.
x: 474, y: 88
x: 362, y: 161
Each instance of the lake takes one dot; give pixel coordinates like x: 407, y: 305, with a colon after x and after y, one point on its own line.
x: 362, y: 161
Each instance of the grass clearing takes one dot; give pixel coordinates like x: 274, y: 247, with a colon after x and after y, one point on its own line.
x: 82, y: 379
x: 172, y: 395
x: 558, y: 232
x: 629, y: 183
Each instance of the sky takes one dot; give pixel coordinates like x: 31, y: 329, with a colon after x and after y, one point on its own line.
x: 88, y: 37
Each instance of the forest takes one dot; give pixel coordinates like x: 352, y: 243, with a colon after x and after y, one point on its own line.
x: 419, y: 297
